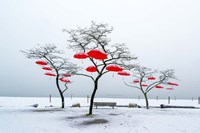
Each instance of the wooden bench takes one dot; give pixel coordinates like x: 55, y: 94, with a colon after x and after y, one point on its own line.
x: 111, y: 104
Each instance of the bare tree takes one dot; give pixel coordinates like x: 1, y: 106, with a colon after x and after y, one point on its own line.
x: 147, y: 79
x: 59, y: 65
x: 96, y: 37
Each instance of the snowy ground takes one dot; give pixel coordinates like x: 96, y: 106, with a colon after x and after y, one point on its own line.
x: 16, y: 116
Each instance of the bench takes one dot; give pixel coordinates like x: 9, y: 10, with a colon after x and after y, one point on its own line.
x: 111, y: 104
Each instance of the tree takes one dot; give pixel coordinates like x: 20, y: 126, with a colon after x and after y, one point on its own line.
x: 147, y: 79
x: 58, y: 64
x: 96, y: 38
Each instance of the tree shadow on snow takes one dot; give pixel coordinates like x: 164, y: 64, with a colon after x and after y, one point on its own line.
x: 95, y: 121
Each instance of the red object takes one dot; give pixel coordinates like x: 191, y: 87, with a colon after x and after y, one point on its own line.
x: 170, y: 83
x: 66, y: 75
x: 123, y: 73
x: 144, y: 85
x: 136, y: 81
x: 80, y: 56
x: 97, y: 54
x: 91, y: 69
x: 41, y: 62
x: 170, y: 89
x: 64, y: 80
x: 60, y: 78
x: 158, y: 86
x: 50, y: 74
x: 151, y: 78
x: 114, y: 68
x: 47, y: 68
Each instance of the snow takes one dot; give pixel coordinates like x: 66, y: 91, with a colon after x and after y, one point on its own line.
x: 17, y: 116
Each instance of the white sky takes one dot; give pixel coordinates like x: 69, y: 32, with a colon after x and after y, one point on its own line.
x: 163, y: 34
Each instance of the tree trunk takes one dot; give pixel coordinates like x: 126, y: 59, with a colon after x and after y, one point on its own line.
x: 60, y: 92
x: 93, y: 95
x: 63, y: 100
x: 146, y: 99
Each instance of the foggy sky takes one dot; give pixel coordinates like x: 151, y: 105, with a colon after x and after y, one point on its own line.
x: 162, y: 34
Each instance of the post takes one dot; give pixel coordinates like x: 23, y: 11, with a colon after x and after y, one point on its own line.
x: 138, y: 97
x: 157, y: 98
x: 192, y: 98
x: 50, y: 98
x: 198, y: 100
x: 71, y: 96
x: 87, y: 99
x: 174, y: 98
x: 168, y: 99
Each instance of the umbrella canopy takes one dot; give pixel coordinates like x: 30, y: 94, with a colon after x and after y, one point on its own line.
x: 80, y: 56
x: 136, y: 81
x: 61, y: 78
x: 170, y: 89
x: 91, y: 69
x: 123, y: 73
x: 97, y: 54
x: 151, y: 78
x: 41, y: 62
x: 171, y: 83
x: 64, y: 80
x: 144, y: 85
x: 66, y: 75
x: 50, y: 74
x: 47, y: 68
x: 114, y: 68
x: 159, y: 87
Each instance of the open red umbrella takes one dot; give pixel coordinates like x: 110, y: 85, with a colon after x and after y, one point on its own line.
x: 144, y: 85
x: 50, y: 74
x: 66, y: 75
x: 171, y: 83
x: 123, y: 73
x: 114, y: 68
x: 159, y: 87
x: 136, y: 81
x: 64, y: 80
x: 61, y: 78
x: 41, y: 62
x: 170, y: 89
x: 91, y: 69
x: 80, y: 56
x: 97, y: 54
x: 151, y: 78
x: 47, y: 68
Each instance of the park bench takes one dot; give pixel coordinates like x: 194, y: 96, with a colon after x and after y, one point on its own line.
x: 111, y: 104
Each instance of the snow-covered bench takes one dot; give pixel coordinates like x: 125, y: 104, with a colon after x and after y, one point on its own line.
x: 111, y: 104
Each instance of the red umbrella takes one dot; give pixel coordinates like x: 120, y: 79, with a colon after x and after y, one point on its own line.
x: 41, y: 62
x: 64, y: 80
x: 50, y: 74
x: 136, y: 81
x: 114, y: 68
x: 97, y: 54
x: 151, y: 78
x: 47, y: 68
x: 61, y: 78
x: 91, y: 69
x: 80, y: 56
x: 66, y: 75
x: 158, y: 86
x: 144, y: 85
x: 123, y: 73
x: 171, y: 83
x: 170, y: 89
